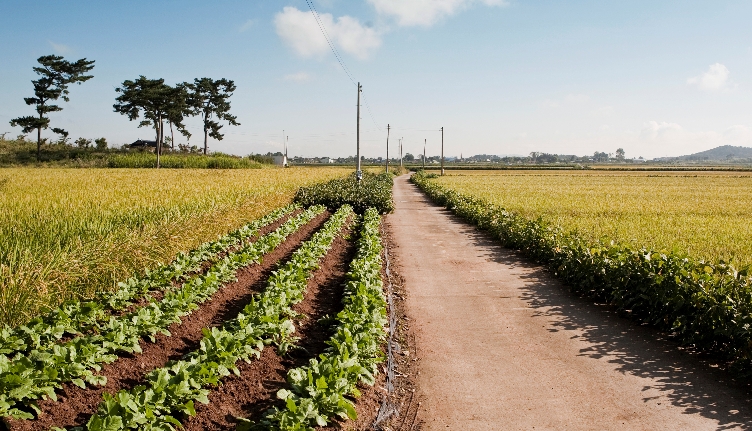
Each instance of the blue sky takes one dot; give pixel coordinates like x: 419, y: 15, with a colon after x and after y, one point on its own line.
x: 502, y: 77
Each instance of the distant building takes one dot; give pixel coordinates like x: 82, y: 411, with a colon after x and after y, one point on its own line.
x: 145, y: 145
x: 326, y: 160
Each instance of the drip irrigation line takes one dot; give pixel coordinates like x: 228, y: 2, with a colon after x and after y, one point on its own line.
x: 387, y: 408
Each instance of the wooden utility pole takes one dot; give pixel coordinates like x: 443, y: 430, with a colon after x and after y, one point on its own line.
x: 442, y: 150
x: 387, y: 148
x: 424, y: 154
x: 358, y: 172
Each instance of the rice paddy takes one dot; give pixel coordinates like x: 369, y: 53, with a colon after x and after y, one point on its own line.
x: 68, y: 233
x: 707, y: 215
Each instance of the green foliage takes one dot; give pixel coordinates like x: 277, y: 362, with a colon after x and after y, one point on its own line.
x: 373, y: 191
x: 181, y: 161
x: 78, y: 317
x: 321, y: 390
x: 704, y: 305
x: 171, y: 391
x: 210, y: 99
x: 56, y: 75
x: 26, y: 378
x: 100, y: 144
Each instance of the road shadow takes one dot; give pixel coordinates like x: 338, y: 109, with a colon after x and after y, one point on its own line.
x: 687, y: 380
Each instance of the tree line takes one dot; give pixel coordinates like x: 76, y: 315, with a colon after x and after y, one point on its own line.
x: 151, y: 101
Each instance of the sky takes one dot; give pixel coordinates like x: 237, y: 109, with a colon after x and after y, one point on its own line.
x: 505, y: 77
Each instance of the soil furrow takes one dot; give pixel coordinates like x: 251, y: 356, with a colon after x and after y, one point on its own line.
x: 252, y: 393
x: 157, y: 295
x: 76, y: 405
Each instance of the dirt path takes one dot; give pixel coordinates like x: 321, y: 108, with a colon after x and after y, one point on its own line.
x: 503, y: 346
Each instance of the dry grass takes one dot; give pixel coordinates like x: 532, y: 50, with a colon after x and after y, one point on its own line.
x: 70, y: 232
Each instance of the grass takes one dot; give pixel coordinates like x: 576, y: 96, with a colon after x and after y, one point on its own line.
x: 68, y: 233
x: 707, y: 215
x: 181, y: 161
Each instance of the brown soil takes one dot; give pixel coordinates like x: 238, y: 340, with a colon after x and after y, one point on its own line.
x: 75, y: 405
x: 157, y: 295
x: 252, y: 393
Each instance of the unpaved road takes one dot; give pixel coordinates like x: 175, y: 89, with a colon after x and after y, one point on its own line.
x: 503, y: 346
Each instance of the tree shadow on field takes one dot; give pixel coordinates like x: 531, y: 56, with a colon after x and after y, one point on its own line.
x: 687, y: 380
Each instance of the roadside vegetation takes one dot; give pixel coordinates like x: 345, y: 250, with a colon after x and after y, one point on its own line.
x: 706, y: 305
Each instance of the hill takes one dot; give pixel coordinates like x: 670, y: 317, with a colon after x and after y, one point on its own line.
x: 724, y: 152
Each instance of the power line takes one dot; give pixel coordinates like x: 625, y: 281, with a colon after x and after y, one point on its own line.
x: 339, y: 58
x: 316, y: 16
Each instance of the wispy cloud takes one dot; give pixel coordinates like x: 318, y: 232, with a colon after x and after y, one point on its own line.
x: 654, y: 130
x: 301, y: 32
x: 715, y: 79
x: 297, y: 77
x: 425, y: 12
x: 247, y: 25
x: 60, y: 48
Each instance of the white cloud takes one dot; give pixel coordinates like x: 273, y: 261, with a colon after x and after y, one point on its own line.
x: 653, y: 130
x: 60, y: 48
x: 301, y: 32
x: 297, y: 77
x: 247, y: 25
x: 425, y: 12
x: 716, y: 78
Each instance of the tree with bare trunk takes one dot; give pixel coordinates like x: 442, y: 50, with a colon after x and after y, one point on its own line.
x: 210, y: 99
x: 56, y: 75
x: 153, y: 97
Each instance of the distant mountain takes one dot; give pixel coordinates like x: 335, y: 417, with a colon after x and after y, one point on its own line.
x: 724, y: 152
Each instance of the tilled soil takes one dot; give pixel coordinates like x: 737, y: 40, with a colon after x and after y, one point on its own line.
x: 253, y: 392
x: 76, y: 405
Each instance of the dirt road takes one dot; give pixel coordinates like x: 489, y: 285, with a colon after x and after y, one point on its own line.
x: 503, y: 346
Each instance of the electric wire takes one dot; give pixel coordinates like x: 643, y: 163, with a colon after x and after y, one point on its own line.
x: 339, y: 58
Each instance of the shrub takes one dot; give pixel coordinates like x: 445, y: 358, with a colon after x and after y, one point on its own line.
x: 372, y: 191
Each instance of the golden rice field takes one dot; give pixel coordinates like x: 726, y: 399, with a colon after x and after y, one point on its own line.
x: 70, y: 232
x: 705, y: 214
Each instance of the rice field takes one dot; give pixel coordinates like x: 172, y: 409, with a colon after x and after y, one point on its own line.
x: 70, y: 232
x: 707, y: 215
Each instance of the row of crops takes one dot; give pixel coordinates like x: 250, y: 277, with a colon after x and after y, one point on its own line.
x: 58, y: 358
x: 705, y: 305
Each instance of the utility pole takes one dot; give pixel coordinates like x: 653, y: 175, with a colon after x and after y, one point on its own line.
x: 442, y: 150
x: 424, y: 154
x: 387, y: 148
x: 287, y: 141
x: 358, y: 172
x: 400, y: 150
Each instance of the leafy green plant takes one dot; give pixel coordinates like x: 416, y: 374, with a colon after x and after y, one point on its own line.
x: 26, y: 378
x: 78, y: 317
x: 172, y: 390
x: 373, y: 191
x: 319, y: 391
x: 704, y: 305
